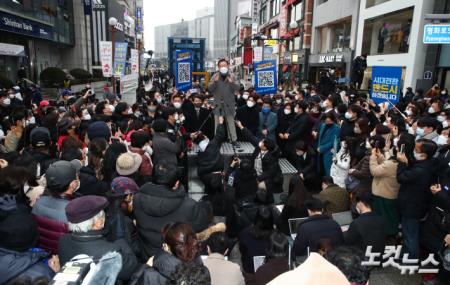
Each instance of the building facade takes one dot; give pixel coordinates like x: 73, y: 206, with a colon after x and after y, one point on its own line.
x: 390, y: 33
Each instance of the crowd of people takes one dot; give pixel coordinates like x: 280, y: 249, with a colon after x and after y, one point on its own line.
x: 87, y: 176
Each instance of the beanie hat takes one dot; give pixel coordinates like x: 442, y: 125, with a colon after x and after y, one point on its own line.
x: 99, y: 130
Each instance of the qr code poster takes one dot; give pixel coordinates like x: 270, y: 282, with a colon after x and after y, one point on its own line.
x: 266, y: 77
x: 183, y: 70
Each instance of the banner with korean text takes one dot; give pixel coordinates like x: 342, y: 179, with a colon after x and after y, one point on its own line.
x: 120, y: 58
x: 266, y: 77
x: 106, y: 58
x: 386, y: 84
x: 134, y: 60
x: 183, y: 70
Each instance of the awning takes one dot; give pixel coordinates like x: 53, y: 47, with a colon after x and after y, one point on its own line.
x: 12, y: 50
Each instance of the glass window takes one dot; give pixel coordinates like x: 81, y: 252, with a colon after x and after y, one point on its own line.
x: 321, y: 2
x: 263, y: 15
x: 297, y: 41
x: 340, y: 34
x: 388, y: 33
x: 370, y: 3
x: 274, y: 7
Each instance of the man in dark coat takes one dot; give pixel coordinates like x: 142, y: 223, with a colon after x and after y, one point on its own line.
x: 316, y: 228
x: 198, y: 118
x: 161, y: 202
x: 89, y: 240
x: 248, y: 115
x: 223, y: 89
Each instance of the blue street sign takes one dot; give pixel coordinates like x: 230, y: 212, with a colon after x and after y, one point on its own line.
x: 436, y: 34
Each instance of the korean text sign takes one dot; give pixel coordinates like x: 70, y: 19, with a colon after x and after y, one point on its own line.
x: 436, y: 34
x: 386, y: 82
x: 183, y: 70
x: 265, y: 77
x: 106, y: 58
x: 120, y: 58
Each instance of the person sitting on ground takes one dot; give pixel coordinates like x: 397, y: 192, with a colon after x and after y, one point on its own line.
x: 334, y: 198
x: 349, y: 261
x: 318, y: 226
x: 222, y: 271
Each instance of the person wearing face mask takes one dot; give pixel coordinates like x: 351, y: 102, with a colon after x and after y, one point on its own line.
x: 265, y: 162
x: 5, y: 106
x: 210, y: 160
x: 285, y: 116
x: 49, y: 210
x: 248, y: 115
x: 141, y: 144
x: 426, y: 129
x: 198, y: 116
x: 415, y: 174
x: 267, y: 121
x: 435, y: 108
x: 177, y: 102
x: 223, y: 88
x: 348, y: 125
x: 17, y: 129
x: 327, y: 143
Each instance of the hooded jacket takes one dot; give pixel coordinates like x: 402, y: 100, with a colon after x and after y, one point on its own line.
x: 164, y: 265
x: 157, y: 205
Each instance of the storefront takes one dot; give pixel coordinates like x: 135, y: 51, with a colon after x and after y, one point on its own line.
x: 11, y: 58
x: 292, y: 66
x: 340, y: 62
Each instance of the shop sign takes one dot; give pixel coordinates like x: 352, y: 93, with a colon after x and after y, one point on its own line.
x: 436, y: 34
x: 26, y: 27
x: 326, y: 58
x: 270, y: 42
x: 11, y: 50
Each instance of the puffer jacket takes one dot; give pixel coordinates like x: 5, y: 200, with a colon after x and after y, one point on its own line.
x: 164, y: 265
x: 384, y: 173
x: 23, y: 264
x: 157, y: 205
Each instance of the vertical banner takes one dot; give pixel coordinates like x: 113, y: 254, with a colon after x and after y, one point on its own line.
x: 268, y: 51
x: 120, y: 58
x: 128, y: 87
x: 87, y: 7
x: 183, y: 70
x: 265, y: 77
x: 143, y: 63
x: 257, y: 54
x: 139, y: 26
x: 386, y: 82
x: 134, y: 61
x: 106, y: 58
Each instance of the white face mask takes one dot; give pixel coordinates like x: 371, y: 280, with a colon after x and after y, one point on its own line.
x: 177, y: 105
x: 2, y: 134
x: 418, y: 156
x: 111, y: 108
x: 245, y: 96
x: 442, y: 140
x: 203, y: 144
x: 368, y: 146
x: 278, y: 101
x: 445, y: 124
x: 31, y: 121
x: 260, y: 145
x: 396, y: 141
x: 11, y: 96
x: 176, y: 117
x: 159, y: 100
x: 130, y: 112
x: 420, y: 132
x: 287, y: 111
x: 431, y: 110
x: 6, y: 101
x: 408, y: 112
x: 86, y: 117
x: 223, y: 70
x: 148, y: 150
x: 348, y: 116
x: 443, y: 92
x: 441, y: 118
x: 182, y: 118
x: 250, y: 104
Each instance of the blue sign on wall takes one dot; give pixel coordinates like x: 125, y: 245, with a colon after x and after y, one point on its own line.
x: 183, y: 70
x: 436, y: 34
x: 266, y: 77
x: 120, y: 58
x: 386, y: 82
x: 18, y: 25
x: 139, y: 27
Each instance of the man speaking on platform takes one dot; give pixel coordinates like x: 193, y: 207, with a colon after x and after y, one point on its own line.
x: 223, y: 89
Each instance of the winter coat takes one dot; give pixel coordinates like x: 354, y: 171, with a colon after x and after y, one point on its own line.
x: 362, y: 173
x: 164, y: 149
x: 249, y: 247
x: 367, y: 229
x: 327, y: 141
x: 312, y: 230
x: 164, y: 265
x: 339, y: 169
x: 347, y: 129
x: 267, y: 122
x: 414, y: 196
x: 146, y: 168
x: 93, y: 244
x: 223, y: 92
x: 249, y: 118
x: 384, y: 173
x: 157, y: 205
x: 271, y: 269
x: 211, y: 160
x: 23, y: 264
x: 90, y: 185
x: 335, y: 199
x: 44, y: 160
x: 271, y: 171
x: 223, y: 272
x: 244, y: 182
x: 300, y: 129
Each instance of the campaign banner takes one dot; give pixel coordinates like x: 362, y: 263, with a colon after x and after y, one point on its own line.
x: 128, y: 86
x: 265, y: 77
x: 386, y: 82
x: 139, y: 26
x: 120, y: 58
x: 106, y: 58
x: 257, y: 54
x: 134, y: 61
x: 183, y: 70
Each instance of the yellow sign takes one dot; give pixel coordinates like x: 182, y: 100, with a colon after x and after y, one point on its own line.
x: 270, y: 42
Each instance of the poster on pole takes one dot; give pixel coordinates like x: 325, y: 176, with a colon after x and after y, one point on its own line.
x: 183, y: 70
x: 386, y: 82
x: 106, y: 58
x: 266, y: 77
x: 128, y: 86
x: 120, y: 58
x: 134, y: 60
x: 257, y: 54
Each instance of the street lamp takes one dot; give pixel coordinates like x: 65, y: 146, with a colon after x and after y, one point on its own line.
x: 293, y: 25
x: 112, y: 25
